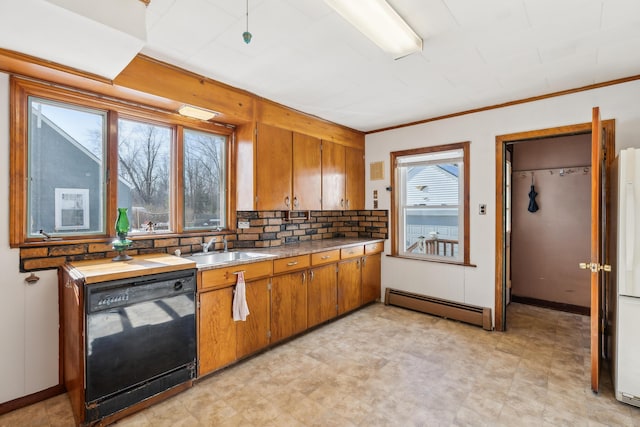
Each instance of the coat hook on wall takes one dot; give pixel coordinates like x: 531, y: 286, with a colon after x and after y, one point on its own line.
x: 31, y: 279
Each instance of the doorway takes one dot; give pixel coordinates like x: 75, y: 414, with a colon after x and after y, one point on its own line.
x: 502, y: 157
x: 548, y: 219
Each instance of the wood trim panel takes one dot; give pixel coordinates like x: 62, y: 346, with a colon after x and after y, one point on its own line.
x: 161, y: 79
x: 511, y: 103
x: 245, y: 167
x: 596, y: 255
x: 559, y: 306
x: 273, y: 114
x: 177, y: 179
x: 30, y: 399
x: 149, y: 82
x: 17, y: 165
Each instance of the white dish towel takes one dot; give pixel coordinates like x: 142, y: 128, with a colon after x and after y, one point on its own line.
x: 240, y: 307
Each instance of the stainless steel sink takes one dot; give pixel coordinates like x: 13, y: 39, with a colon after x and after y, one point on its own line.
x: 216, y: 258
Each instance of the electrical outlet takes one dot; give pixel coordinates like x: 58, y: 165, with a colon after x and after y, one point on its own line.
x: 483, y: 209
x: 243, y: 224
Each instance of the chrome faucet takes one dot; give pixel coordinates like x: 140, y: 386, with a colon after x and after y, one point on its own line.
x: 206, y: 246
x: 224, y: 241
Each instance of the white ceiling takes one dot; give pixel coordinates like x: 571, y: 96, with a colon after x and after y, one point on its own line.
x: 476, y: 53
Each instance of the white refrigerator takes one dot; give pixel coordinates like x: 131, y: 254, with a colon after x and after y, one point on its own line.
x: 626, y: 278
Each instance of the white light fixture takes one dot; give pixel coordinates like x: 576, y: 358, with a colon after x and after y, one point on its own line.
x: 377, y: 20
x: 197, y: 112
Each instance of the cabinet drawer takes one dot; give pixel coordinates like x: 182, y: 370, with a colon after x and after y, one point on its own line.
x: 325, y: 257
x: 290, y: 264
x: 351, y: 252
x: 373, y: 248
x: 220, y: 277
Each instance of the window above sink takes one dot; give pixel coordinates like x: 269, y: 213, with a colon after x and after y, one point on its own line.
x: 171, y: 171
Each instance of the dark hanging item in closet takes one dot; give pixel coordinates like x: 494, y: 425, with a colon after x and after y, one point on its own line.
x: 533, y: 206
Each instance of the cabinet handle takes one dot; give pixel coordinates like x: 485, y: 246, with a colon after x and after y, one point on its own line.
x: 325, y: 257
x: 342, y: 203
x: 357, y: 263
x: 292, y: 263
x: 311, y: 275
x: 304, y: 277
x: 347, y: 203
x: 364, y: 261
x: 287, y: 201
x: 295, y: 202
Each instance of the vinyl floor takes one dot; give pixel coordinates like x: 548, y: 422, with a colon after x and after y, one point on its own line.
x: 386, y: 366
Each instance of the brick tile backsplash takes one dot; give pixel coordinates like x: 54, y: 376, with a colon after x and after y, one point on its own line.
x: 274, y: 227
x: 266, y: 229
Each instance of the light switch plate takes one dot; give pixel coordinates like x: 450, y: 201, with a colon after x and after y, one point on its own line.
x: 243, y: 224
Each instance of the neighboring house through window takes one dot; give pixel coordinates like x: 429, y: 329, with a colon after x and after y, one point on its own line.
x: 430, y: 208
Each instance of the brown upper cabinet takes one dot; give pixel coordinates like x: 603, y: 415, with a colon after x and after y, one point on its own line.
x: 342, y: 177
x: 354, y: 185
x: 333, y: 176
x: 288, y: 170
x: 274, y: 155
x: 307, y: 172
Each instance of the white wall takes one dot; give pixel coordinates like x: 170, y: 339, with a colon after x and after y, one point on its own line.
x: 28, y: 313
x: 475, y: 285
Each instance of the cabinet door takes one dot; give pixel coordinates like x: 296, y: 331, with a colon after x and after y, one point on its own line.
x: 299, y: 304
x: 288, y: 305
x: 371, y: 278
x: 322, y: 294
x: 307, y: 172
x: 349, y: 290
x: 253, y: 334
x: 354, y: 186
x: 333, y: 176
x: 273, y: 168
x: 216, y: 330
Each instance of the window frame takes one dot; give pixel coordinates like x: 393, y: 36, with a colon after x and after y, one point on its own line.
x: 396, y: 207
x: 20, y: 91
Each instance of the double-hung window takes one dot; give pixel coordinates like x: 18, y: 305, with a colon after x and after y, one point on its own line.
x: 431, y: 208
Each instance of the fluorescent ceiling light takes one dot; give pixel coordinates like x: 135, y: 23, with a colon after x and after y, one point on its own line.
x: 196, y: 112
x: 377, y: 20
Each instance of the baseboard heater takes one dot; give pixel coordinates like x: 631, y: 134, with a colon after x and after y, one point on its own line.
x: 475, y: 315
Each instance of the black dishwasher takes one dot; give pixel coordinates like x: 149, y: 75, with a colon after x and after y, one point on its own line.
x: 140, y: 339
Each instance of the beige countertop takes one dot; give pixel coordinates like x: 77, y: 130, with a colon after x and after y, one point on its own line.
x: 102, y: 270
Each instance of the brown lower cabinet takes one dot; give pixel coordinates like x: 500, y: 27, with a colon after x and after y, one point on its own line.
x: 253, y: 333
x: 285, y: 298
x: 217, y: 331
x: 349, y: 285
x: 322, y: 294
x: 371, y: 278
x: 288, y: 305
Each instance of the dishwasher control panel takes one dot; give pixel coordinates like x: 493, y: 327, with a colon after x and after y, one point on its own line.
x: 124, y: 292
